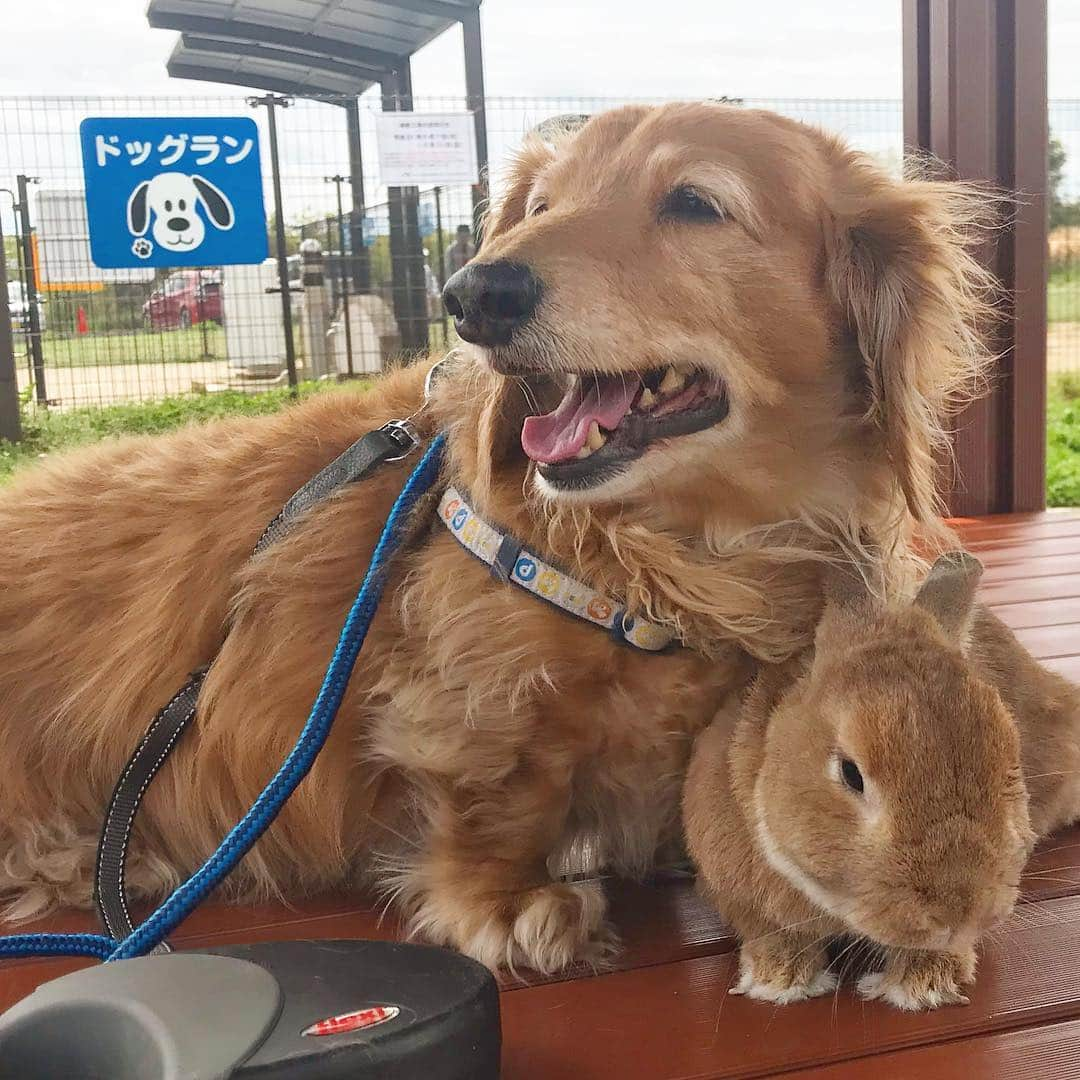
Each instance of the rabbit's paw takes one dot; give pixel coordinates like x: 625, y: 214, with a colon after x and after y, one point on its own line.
x: 914, y: 981
x: 783, y: 971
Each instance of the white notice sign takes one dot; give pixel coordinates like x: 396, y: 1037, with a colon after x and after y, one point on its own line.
x: 426, y: 148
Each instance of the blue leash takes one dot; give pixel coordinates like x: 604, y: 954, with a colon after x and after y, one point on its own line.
x: 296, y: 766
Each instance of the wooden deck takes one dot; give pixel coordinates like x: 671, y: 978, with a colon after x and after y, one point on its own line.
x: 664, y: 1012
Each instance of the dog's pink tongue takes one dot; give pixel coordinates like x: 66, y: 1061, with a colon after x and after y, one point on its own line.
x: 559, y: 435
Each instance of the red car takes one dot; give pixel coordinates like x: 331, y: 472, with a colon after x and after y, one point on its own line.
x: 185, y: 298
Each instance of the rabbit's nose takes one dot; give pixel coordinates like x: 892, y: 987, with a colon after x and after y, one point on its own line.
x: 178, y: 224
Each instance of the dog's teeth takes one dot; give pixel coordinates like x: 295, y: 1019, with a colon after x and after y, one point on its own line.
x: 672, y: 381
x: 596, y: 437
x: 647, y: 399
x: 584, y: 452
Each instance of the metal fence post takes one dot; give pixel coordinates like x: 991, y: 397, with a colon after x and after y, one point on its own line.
x: 359, y: 257
x: 10, y: 424
x: 272, y: 102
x: 33, y: 315
x: 200, y: 307
x: 440, y: 273
x: 313, y: 271
x: 406, y: 246
x: 343, y: 277
x: 474, y: 90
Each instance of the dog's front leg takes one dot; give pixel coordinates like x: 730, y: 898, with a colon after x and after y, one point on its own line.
x: 484, y: 888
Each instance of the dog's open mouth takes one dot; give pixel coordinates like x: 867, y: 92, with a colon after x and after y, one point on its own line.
x: 605, y: 421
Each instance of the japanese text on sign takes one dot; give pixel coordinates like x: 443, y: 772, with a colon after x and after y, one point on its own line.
x: 173, y: 191
x: 426, y: 148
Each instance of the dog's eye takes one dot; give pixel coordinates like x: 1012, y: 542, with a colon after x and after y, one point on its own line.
x: 168, y: 204
x: 538, y: 208
x: 849, y: 773
x: 687, y: 204
x: 182, y: 205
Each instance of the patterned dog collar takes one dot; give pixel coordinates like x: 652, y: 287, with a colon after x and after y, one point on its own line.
x: 511, y: 561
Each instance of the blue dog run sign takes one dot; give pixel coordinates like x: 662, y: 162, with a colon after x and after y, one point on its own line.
x: 173, y: 191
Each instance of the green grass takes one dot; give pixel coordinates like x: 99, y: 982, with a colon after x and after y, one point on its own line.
x: 46, y: 433
x: 1063, y: 295
x: 1063, y: 441
x: 132, y: 347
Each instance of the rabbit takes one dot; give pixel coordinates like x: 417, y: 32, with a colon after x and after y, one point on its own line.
x: 874, y: 788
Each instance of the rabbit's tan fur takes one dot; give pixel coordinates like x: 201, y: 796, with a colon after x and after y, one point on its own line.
x: 944, y: 713
x: 484, y: 731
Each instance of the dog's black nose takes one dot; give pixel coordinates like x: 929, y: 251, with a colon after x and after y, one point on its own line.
x: 489, y: 301
x: 178, y: 224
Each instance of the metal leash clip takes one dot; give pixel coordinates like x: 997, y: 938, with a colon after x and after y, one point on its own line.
x: 404, y: 434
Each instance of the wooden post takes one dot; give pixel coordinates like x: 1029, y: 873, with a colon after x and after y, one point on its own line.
x: 975, y: 96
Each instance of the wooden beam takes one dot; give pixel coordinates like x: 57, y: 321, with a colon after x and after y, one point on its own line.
x: 916, y: 24
x: 1031, y: 133
x: 975, y: 97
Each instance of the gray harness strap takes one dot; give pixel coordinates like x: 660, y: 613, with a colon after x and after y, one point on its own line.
x: 391, y: 442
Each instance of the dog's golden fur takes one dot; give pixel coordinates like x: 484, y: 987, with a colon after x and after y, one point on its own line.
x: 484, y: 731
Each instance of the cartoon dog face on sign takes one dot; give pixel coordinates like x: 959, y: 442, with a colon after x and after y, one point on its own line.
x: 170, y: 200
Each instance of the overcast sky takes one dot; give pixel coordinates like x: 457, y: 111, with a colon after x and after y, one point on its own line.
x: 542, y: 49
x: 767, y: 48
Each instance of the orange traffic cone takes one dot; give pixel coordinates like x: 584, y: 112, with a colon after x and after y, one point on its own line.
x: 82, y: 324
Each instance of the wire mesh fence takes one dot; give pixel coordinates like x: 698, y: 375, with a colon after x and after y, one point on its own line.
x: 1063, y: 288
x: 362, y: 291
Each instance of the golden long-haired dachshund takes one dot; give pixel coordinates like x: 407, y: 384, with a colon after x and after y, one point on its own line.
x: 703, y: 347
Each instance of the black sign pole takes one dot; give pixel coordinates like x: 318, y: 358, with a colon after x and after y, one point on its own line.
x: 272, y: 103
x: 337, y: 180
x: 440, y: 273
x: 33, y: 314
x: 10, y: 424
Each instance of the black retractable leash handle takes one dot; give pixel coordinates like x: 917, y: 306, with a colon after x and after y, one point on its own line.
x: 283, y: 1010
x: 278, y: 1010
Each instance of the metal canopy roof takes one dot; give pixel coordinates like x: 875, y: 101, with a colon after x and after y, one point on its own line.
x: 267, y: 67
x: 377, y: 34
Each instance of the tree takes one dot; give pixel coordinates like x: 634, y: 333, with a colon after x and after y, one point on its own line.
x: 1061, y: 211
x: 293, y: 236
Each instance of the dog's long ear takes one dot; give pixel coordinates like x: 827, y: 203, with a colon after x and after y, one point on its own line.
x: 138, y: 213
x: 215, y: 202
x: 900, y: 264
x: 509, y: 208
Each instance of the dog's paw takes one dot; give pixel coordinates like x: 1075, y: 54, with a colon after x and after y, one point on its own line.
x: 559, y: 925
x: 546, y: 928
x: 920, y: 981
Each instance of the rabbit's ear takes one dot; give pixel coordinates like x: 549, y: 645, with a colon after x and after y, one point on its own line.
x: 849, y: 590
x: 849, y: 584
x: 948, y: 592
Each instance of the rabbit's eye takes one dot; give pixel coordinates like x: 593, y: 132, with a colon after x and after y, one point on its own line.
x: 849, y: 771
